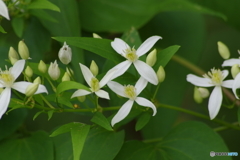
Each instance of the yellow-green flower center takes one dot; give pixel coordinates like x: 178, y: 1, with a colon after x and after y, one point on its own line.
x: 94, y: 84
x: 215, y: 75
x: 6, y: 78
x: 131, y: 54
x: 130, y: 91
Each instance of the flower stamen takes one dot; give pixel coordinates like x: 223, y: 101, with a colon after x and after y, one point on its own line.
x: 216, y: 76
x: 94, y: 84
x: 130, y: 54
x: 6, y: 78
x: 130, y: 91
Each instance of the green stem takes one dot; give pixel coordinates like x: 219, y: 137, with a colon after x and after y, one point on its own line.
x: 155, y: 93
x: 152, y: 140
x: 200, y: 72
x: 226, y: 124
x: 46, y: 101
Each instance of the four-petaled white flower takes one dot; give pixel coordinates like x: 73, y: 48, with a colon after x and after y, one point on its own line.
x: 7, y: 81
x: 4, y: 10
x: 93, y: 82
x: 132, y: 56
x: 132, y: 93
x: 213, y: 78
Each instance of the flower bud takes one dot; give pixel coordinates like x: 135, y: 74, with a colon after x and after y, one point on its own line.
x: 37, y: 80
x: 152, y: 58
x: 65, y: 54
x: 203, y: 92
x: 94, y: 68
x: 31, y: 89
x: 223, y: 50
x: 54, y: 71
x: 235, y: 70
x: 161, y: 74
x: 28, y: 71
x: 13, y: 55
x: 81, y: 98
x: 23, y: 50
x: 42, y: 67
x: 197, y: 95
x: 65, y: 77
x: 96, y: 36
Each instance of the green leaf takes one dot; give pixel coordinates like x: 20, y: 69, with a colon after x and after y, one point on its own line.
x: 67, y: 85
x: 79, y: 135
x: 43, y: 4
x: 50, y: 113
x: 66, y: 128
x: 18, y: 25
x: 142, y: 121
x: 41, y: 14
x: 238, y: 114
x: 102, y: 144
x: 102, y: 121
x: 11, y: 122
x: 37, y: 146
x: 2, y: 29
x: 187, y: 141
x: 37, y: 114
x: 101, y: 47
x: 165, y: 55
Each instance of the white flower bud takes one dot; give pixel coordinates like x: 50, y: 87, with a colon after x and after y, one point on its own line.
x: 81, y: 98
x: 161, y: 74
x: 37, y: 80
x: 235, y: 70
x: 65, y: 77
x: 96, y: 36
x: 152, y: 58
x: 65, y: 54
x: 54, y: 71
x: 23, y: 50
x: 203, y: 92
x: 69, y: 71
x: 28, y: 71
x: 31, y: 89
x: 94, y: 68
x: 223, y: 50
x: 42, y: 67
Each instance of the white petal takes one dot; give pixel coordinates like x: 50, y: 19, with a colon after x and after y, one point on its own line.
x: 80, y: 92
x: 228, y: 83
x: 146, y: 72
x: 146, y: 103
x: 231, y: 62
x: 17, y: 68
x: 120, y: 68
x: 4, y: 100
x: 236, y: 85
x: 140, y: 85
x: 87, y: 74
x: 199, y: 81
x: 122, y: 112
x: 119, y: 46
x: 4, y: 10
x: 102, y: 94
x: 41, y: 89
x: 225, y: 73
x: 117, y: 88
x: 215, y: 101
x: 147, y: 45
x: 107, y: 77
x: 21, y: 86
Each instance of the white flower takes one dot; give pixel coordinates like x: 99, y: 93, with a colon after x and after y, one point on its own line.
x: 65, y: 54
x: 132, y: 93
x: 94, y: 83
x: 213, y: 78
x: 7, y: 81
x: 4, y: 10
x: 133, y: 55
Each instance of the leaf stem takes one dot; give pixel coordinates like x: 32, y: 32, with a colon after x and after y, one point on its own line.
x: 46, y: 101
